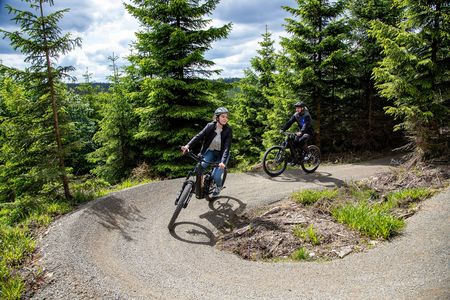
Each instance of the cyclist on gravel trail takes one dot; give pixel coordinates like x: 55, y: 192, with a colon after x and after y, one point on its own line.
x: 303, y: 119
x: 216, y: 142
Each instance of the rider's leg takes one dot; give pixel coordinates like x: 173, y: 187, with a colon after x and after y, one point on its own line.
x: 208, y: 156
x: 218, y: 172
x: 301, y: 143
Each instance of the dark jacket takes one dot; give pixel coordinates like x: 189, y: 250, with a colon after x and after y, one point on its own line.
x: 207, y: 135
x: 303, y: 120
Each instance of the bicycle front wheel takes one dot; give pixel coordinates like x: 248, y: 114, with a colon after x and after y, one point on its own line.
x: 311, y: 160
x: 274, y: 161
x: 184, y: 196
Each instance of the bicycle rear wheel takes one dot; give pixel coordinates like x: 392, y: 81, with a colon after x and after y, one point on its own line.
x: 210, y: 185
x: 184, y: 196
x: 274, y: 161
x: 311, y: 160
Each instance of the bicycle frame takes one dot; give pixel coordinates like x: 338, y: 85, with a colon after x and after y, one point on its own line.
x: 201, y: 187
x: 289, y: 143
x: 198, y: 186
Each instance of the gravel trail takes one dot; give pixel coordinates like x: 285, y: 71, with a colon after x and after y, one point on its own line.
x: 118, y: 247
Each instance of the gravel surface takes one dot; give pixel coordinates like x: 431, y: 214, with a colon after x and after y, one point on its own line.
x: 118, y: 247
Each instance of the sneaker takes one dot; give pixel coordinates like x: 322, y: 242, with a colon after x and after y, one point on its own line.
x: 216, y: 192
x: 307, y: 156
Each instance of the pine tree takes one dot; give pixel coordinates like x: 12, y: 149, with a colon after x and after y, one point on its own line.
x: 370, y: 126
x: 314, y: 57
x: 252, y: 103
x: 415, y: 73
x: 41, y: 41
x: 115, y: 154
x: 175, y: 97
x: 84, y: 111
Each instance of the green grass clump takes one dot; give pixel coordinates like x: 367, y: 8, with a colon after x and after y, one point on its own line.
x: 399, y: 198
x: 300, y: 254
x: 308, y: 197
x: 313, y: 237
x: 368, y: 220
x: 299, y: 232
x: 309, y: 233
x: 15, y: 244
x: 12, y: 288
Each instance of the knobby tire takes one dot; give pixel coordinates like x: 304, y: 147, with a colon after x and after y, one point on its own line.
x: 181, y: 201
x: 312, y: 163
x: 274, y: 161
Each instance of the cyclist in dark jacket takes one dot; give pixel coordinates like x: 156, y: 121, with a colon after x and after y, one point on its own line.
x: 216, y: 142
x: 303, y: 120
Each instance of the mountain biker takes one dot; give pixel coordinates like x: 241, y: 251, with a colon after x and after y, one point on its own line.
x: 216, y: 142
x: 303, y: 120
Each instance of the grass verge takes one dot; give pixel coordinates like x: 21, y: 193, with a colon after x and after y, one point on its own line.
x: 364, y: 209
x: 21, y: 220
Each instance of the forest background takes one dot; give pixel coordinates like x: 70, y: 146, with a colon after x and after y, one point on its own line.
x: 375, y: 76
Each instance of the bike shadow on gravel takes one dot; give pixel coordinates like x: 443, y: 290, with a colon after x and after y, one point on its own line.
x: 224, y: 210
x: 116, y: 214
x: 325, y: 179
x: 193, y: 233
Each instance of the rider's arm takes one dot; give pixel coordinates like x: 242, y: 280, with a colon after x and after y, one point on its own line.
x: 199, y: 136
x: 288, y: 123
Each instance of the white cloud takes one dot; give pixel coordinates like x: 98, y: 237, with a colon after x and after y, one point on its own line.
x: 101, y: 41
x: 106, y: 27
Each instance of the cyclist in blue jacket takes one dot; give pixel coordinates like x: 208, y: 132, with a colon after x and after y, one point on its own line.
x: 304, y: 122
x: 216, y: 142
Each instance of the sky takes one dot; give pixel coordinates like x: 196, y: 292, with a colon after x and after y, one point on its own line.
x: 105, y: 27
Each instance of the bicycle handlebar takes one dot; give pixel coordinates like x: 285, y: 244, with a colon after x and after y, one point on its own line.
x: 200, y: 158
x: 289, y: 133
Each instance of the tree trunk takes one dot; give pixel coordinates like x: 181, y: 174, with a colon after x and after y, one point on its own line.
x: 51, y: 83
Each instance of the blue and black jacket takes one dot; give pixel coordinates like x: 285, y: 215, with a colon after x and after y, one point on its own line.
x: 303, y: 120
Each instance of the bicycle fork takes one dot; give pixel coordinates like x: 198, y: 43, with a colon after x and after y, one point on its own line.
x: 191, y: 183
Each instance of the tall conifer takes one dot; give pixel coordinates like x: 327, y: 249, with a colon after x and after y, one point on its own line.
x: 175, y: 96
x: 415, y: 73
x: 370, y: 128
x: 252, y: 102
x: 41, y: 41
x: 314, y: 55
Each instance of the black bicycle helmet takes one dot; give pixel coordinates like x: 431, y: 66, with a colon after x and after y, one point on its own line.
x: 221, y: 110
x: 300, y: 104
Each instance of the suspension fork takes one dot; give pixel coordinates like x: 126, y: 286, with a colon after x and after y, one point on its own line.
x: 292, y: 150
x: 280, y: 154
x: 187, y: 181
x: 199, y: 183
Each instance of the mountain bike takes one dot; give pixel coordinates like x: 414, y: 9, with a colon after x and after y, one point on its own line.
x: 276, y: 158
x: 199, y: 182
